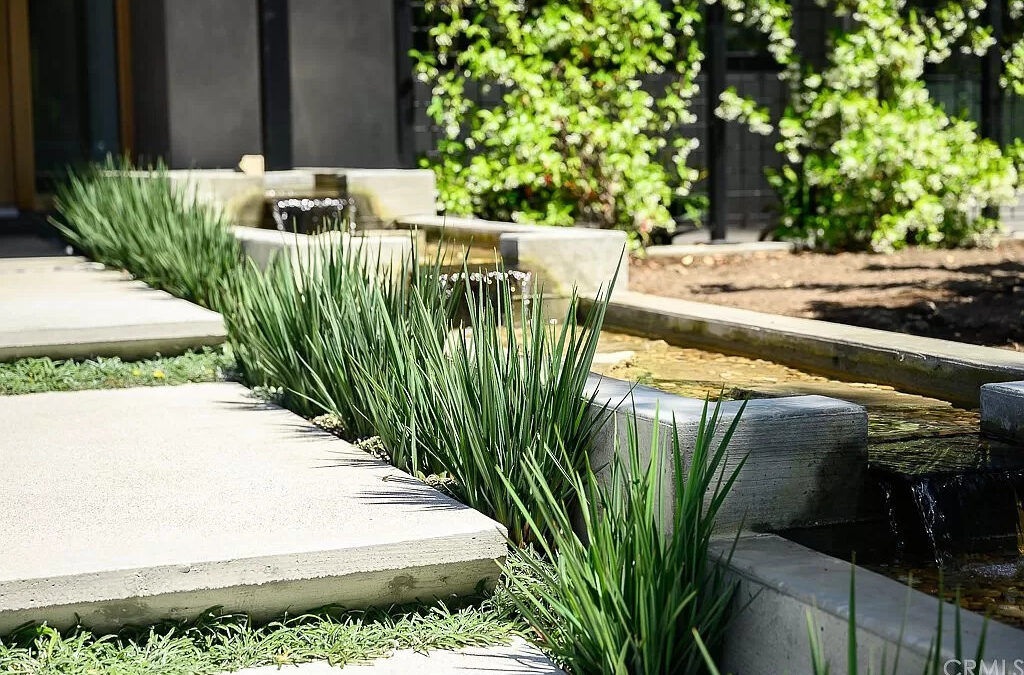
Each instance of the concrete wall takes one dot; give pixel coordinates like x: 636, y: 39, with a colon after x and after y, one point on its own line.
x: 344, y: 105
x: 196, y: 78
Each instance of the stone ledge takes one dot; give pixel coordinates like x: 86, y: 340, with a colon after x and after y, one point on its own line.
x: 727, y: 249
x: 138, y: 505
x: 950, y: 371
x: 384, y: 195
x: 70, y: 308
x: 806, y: 456
x: 561, y: 258
x: 261, y: 245
x: 780, y: 581
x: 1002, y: 410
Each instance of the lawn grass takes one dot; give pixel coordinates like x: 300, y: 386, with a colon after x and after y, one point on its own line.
x: 216, y: 643
x: 29, y: 376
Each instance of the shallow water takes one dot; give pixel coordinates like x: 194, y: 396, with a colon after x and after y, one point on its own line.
x: 914, y: 442
x: 892, y: 415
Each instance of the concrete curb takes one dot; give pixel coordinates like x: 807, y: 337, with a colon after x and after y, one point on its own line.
x: 560, y: 258
x: 780, y: 581
x: 951, y: 371
x: 260, y: 245
x: 1002, y: 410
x: 726, y: 249
x: 806, y: 456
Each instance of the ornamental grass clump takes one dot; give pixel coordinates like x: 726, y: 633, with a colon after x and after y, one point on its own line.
x: 327, y: 329
x: 138, y: 221
x: 501, y: 391
x: 616, y: 593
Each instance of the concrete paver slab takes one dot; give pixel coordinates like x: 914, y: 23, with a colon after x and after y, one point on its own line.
x: 517, y: 658
x: 132, y: 505
x: 67, y: 307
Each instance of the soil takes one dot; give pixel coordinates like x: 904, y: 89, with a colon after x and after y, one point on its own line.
x: 973, y: 295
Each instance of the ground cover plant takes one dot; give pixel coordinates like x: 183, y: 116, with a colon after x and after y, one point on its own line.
x: 139, y: 222
x: 29, y: 376
x: 217, y: 642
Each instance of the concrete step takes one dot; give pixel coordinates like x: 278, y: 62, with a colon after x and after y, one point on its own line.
x: 68, y: 307
x: 517, y: 658
x: 134, y: 505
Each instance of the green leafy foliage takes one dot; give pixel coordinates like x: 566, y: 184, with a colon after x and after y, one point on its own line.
x: 873, y: 161
x: 584, y: 95
x: 217, y: 642
x: 139, y: 222
x: 620, y: 595
x: 29, y: 376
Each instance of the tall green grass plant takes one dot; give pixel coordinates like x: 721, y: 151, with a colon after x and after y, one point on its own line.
x: 138, y: 221
x: 620, y: 595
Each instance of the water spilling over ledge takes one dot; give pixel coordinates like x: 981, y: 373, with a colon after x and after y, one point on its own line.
x: 949, y: 500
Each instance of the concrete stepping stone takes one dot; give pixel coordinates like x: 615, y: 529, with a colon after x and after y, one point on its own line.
x: 517, y: 658
x: 68, y: 307
x: 134, y: 505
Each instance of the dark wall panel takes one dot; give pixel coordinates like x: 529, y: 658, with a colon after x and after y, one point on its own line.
x: 213, y: 70
x: 344, y: 107
x: 196, y: 73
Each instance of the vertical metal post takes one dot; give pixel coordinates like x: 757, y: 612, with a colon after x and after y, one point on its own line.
x: 991, y: 69
x: 715, y: 56
x: 275, y: 85
x: 405, y: 93
x: 991, y: 91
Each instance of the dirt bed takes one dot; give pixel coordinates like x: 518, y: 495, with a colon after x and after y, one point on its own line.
x: 974, y: 295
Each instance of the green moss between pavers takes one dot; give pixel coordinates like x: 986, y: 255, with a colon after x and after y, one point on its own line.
x: 215, y: 643
x: 29, y: 376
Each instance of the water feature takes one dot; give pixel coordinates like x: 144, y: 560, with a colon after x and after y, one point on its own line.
x: 949, y: 499
x: 310, y: 215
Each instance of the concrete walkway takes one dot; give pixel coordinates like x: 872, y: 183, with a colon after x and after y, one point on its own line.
x: 67, y: 307
x: 517, y: 658
x: 134, y: 505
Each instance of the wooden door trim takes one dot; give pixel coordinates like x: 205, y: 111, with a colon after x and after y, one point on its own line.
x: 125, y: 86
x: 21, y: 105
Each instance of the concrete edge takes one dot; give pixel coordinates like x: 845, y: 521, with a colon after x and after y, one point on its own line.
x: 718, y: 250
x: 781, y: 581
x: 167, y: 339
x: 942, y: 369
x: 480, y: 231
x: 271, y: 599
x: 516, y: 656
x: 1002, y: 410
x: 104, y: 586
x: 804, y: 457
